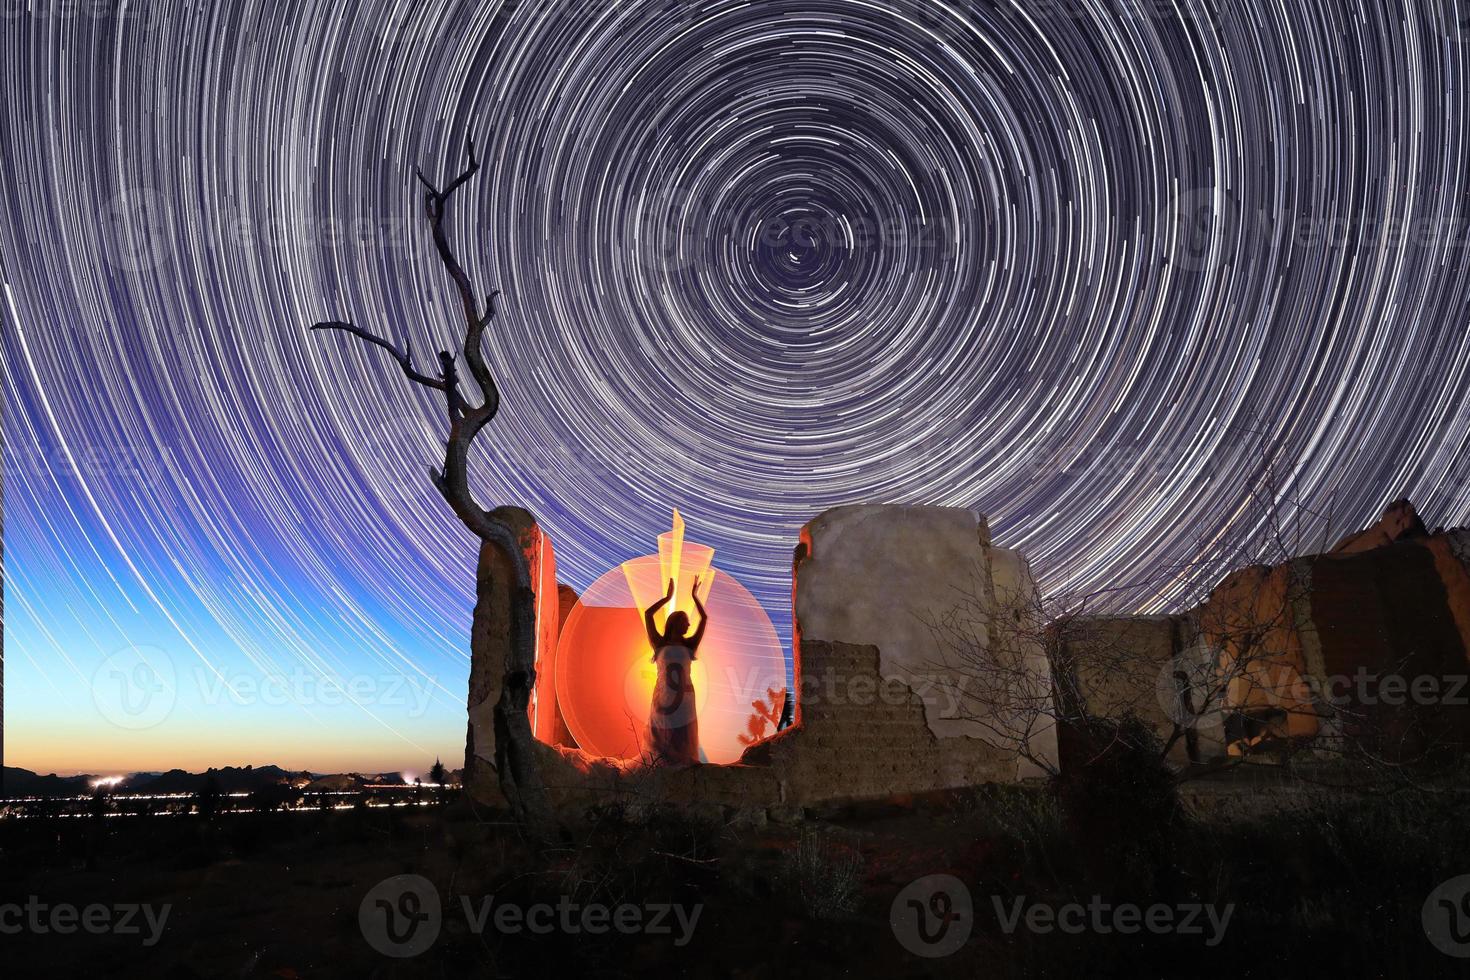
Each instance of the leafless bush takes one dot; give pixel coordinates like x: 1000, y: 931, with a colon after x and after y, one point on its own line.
x: 825, y: 874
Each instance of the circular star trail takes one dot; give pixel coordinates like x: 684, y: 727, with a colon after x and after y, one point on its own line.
x: 1101, y: 270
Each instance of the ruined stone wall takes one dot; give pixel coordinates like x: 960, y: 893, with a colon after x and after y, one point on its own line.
x: 1111, y: 666
x: 1306, y: 648
x: 1397, y: 611
x: 882, y: 707
x: 887, y: 707
x: 872, y: 744
x: 871, y: 741
x: 952, y: 617
x: 490, y: 641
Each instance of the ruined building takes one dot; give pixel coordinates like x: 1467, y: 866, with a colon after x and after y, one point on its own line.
x: 1359, y: 651
x: 881, y: 707
x: 922, y: 663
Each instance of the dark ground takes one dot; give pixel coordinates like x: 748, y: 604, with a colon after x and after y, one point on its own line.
x: 1331, y: 888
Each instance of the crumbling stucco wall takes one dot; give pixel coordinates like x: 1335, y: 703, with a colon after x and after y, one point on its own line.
x: 952, y: 617
x: 1320, y: 648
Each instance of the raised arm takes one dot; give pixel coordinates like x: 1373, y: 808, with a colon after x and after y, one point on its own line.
x: 654, y: 637
x: 703, y: 618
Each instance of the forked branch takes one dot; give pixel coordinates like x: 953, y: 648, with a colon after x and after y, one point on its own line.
x: 465, y: 421
x: 476, y: 319
x: 401, y: 355
x: 515, y: 755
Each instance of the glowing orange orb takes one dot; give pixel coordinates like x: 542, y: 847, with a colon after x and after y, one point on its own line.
x: 604, y: 666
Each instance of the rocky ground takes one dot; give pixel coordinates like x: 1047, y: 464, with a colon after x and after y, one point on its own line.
x: 1310, y: 889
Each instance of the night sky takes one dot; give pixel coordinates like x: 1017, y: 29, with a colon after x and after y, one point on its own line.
x: 1088, y: 267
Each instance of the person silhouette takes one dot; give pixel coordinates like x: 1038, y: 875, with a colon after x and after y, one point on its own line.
x: 673, y: 725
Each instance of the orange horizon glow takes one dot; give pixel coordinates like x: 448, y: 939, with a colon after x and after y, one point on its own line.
x: 162, y: 750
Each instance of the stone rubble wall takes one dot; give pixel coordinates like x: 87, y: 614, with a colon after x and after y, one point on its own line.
x: 1392, y: 601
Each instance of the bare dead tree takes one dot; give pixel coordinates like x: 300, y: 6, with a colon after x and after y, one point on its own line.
x: 515, y: 761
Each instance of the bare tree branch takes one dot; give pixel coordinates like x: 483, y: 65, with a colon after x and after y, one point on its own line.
x: 475, y: 320
x: 515, y: 759
x: 402, y: 356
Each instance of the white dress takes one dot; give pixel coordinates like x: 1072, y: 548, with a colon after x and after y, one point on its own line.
x: 673, y: 727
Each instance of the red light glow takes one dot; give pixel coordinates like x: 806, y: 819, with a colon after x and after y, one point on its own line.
x: 604, y: 668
